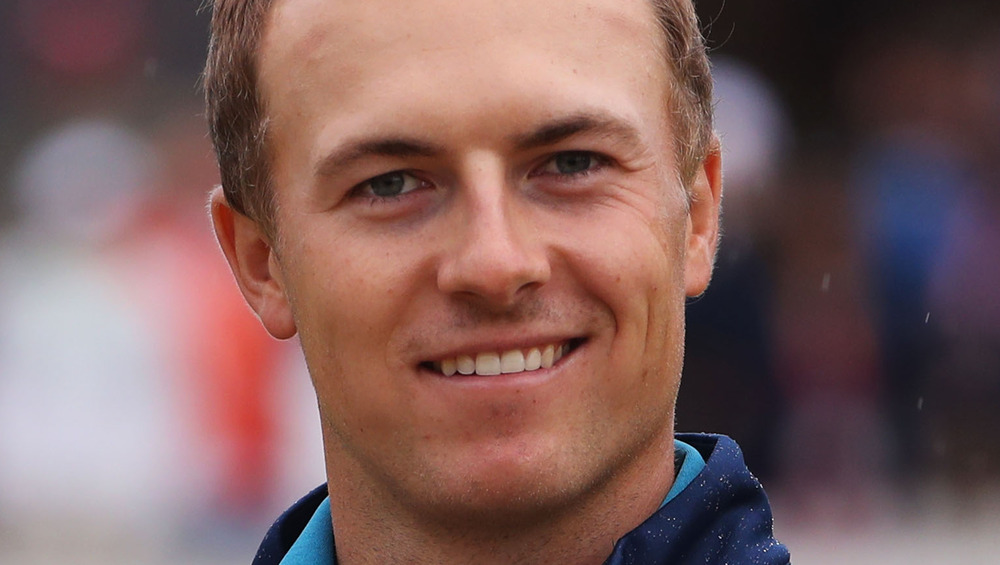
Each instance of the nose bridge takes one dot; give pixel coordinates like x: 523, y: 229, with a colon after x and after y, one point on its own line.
x: 495, y: 253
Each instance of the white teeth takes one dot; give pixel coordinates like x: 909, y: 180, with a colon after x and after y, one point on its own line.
x: 488, y: 364
x: 494, y: 363
x: 465, y: 364
x: 533, y: 361
x: 548, y: 356
x: 512, y: 361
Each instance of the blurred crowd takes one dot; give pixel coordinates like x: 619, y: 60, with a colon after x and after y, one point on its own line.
x: 141, y: 403
x: 852, y: 329
x: 850, y: 340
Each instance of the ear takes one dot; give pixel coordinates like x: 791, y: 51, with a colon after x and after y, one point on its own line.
x: 255, y: 265
x: 703, y: 222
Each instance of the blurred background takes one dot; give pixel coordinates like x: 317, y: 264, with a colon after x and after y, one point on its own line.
x: 850, y: 340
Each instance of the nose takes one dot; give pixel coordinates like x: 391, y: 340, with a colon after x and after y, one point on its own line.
x: 497, y: 253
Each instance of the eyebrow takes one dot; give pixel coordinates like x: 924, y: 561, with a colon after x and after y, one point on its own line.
x: 586, y: 122
x: 547, y: 134
x: 354, y: 151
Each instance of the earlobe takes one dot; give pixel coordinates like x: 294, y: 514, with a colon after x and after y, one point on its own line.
x: 703, y: 235
x: 254, y: 265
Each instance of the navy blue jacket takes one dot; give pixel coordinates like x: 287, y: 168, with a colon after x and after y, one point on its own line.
x: 722, y: 517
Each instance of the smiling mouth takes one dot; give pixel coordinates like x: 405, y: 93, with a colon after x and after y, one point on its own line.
x: 489, y: 363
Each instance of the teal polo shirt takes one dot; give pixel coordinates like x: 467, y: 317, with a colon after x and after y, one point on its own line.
x: 315, y: 543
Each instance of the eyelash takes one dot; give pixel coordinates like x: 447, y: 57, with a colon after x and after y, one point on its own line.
x: 599, y: 162
x: 366, y: 191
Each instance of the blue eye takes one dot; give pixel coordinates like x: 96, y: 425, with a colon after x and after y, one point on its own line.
x: 391, y: 185
x: 572, y: 163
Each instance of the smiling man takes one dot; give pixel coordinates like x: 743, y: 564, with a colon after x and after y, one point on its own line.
x: 483, y: 218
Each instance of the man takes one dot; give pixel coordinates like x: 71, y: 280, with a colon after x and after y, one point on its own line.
x: 482, y: 219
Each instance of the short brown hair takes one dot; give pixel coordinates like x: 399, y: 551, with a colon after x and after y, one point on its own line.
x: 238, y: 121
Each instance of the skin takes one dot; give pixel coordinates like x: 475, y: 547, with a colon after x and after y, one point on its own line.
x: 541, y: 205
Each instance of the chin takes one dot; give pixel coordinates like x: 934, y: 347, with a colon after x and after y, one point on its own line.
x: 511, y: 484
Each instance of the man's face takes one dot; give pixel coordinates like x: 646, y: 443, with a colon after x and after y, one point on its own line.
x: 489, y: 186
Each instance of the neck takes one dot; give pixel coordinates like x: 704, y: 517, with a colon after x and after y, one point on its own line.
x: 581, y: 531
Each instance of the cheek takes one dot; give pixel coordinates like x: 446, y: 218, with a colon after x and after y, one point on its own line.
x: 637, y: 277
x: 348, y: 288
x: 630, y: 259
x: 634, y: 264
x: 347, y: 301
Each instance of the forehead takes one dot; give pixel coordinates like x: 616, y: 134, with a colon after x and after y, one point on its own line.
x: 446, y: 24
x: 361, y: 63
